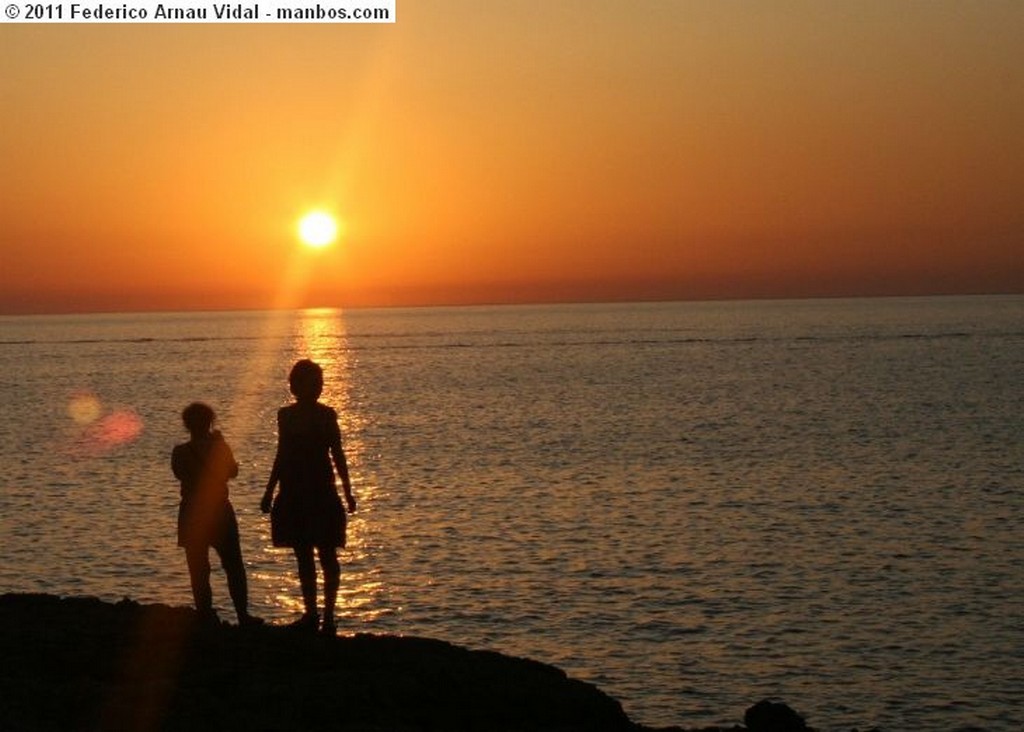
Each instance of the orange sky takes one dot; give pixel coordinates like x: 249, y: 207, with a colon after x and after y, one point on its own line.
x: 517, y: 151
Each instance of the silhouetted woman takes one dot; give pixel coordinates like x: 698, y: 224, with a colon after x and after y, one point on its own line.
x: 204, y: 465
x: 307, y: 513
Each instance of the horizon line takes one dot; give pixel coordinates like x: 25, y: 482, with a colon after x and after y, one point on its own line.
x: 507, y: 304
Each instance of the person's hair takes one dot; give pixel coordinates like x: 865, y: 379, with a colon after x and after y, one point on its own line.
x: 306, y: 380
x: 198, y: 417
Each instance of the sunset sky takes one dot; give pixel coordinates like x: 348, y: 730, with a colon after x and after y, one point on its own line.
x: 516, y: 152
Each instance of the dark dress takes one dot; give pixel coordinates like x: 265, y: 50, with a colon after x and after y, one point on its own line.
x: 205, y: 515
x: 307, y: 510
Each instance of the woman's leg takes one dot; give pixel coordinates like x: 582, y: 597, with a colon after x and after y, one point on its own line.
x: 198, y: 558
x: 307, y: 577
x: 230, y: 553
x: 229, y: 550
x: 332, y: 580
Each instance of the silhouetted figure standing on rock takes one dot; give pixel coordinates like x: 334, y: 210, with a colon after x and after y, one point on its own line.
x: 204, y: 465
x: 307, y: 513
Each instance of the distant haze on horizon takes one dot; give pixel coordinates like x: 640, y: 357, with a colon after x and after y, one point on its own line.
x: 516, y: 152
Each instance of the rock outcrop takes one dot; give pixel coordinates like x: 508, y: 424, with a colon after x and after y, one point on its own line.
x: 83, y: 664
x: 80, y: 664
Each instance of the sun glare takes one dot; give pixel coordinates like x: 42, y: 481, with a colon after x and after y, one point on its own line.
x: 317, y: 229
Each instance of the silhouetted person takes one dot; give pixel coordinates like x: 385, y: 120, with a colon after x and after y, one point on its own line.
x: 307, y: 513
x: 204, y: 465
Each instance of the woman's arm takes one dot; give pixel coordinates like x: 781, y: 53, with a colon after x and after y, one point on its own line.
x: 178, y: 463
x: 230, y: 464
x: 341, y: 465
x: 185, y: 465
x: 268, y: 495
x: 275, y: 473
x: 338, y: 457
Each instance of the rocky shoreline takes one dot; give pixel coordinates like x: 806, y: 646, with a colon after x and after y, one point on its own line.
x: 84, y: 664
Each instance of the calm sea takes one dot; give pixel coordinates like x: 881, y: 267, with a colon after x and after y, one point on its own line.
x: 692, y: 505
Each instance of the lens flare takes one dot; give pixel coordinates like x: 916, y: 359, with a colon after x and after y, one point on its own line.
x: 109, y: 433
x: 118, y: 428
x: 84, y: 408
x: 98, y: 431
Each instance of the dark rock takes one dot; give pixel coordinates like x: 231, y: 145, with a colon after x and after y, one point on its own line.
x: 769, y: 716
x: 80, y: 664
x: 83, y: 664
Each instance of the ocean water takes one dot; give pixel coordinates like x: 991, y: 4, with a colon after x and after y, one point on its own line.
x: 692, y: 505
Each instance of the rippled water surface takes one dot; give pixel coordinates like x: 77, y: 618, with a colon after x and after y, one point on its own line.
x: 693, y: 506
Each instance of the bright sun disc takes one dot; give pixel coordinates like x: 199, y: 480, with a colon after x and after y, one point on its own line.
x: 318, y: 229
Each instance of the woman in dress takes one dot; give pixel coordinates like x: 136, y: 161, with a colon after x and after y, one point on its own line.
x: 307, y: 513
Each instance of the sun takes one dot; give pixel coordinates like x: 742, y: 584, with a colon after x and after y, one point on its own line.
x: 317, y: 229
